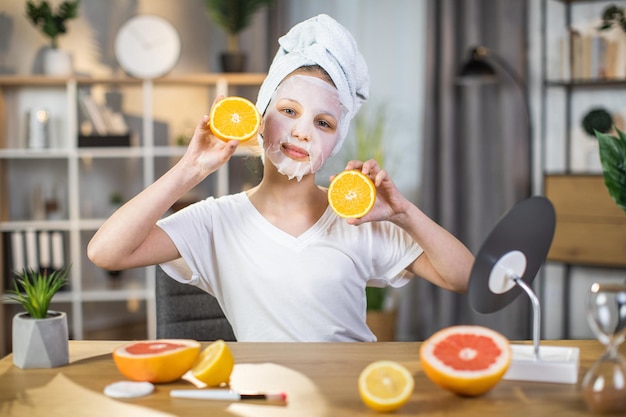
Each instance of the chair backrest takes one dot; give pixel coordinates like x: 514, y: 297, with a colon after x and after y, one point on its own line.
x: 186, y: 312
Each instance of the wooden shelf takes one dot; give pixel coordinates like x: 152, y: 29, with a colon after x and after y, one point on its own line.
x: 590, y: 227
x: 77, y: 169
x: 239, y: 79
x: 587, y: 83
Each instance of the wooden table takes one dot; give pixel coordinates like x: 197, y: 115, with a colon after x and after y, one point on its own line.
x: 332, y: 368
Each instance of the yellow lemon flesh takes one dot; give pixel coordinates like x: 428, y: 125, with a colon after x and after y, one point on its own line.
x: 214, y: 364
x: 385, y: 385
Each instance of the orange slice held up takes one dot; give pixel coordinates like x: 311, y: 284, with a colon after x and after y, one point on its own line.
x: 466, y: 360
x: 234, y: 118
x: 351, y: 194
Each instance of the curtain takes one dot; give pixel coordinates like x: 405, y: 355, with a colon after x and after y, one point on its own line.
x: 476, y: 156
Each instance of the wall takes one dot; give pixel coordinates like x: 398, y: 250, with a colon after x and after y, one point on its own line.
x: 390, y: 36
x: 90, y: 39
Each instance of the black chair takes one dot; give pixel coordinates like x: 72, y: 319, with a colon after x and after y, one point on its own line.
x: 186, y: 312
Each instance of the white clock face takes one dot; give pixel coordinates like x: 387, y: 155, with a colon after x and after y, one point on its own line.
x: 147, y: 46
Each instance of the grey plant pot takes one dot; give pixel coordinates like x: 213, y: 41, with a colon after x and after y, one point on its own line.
x: 233, y: 61
x: 40, y: 343
x: 57, y: 62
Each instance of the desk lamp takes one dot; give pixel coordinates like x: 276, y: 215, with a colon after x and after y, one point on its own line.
x: 505, y: 267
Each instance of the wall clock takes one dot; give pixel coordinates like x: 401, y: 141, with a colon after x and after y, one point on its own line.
x: 147, y: 46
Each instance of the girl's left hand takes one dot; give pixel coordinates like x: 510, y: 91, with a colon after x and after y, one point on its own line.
x: 389, y: 200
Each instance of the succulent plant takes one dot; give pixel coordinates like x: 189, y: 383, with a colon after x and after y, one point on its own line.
x: 34, y: 290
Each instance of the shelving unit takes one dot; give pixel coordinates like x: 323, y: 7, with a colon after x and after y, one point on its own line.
x: 591, y: 230
x: 82, y: 179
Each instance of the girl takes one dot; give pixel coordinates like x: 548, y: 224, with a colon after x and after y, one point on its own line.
x: 281, y: 264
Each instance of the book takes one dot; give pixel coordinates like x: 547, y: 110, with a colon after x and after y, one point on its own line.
x: 17, y: 252
x: 102, y: 120
x: 575, y: 54
x: 44, y: 249
x: 596, y: 54
x: 93, y: 114
x: 58, y: 257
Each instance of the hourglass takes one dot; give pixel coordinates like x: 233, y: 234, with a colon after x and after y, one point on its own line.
x: 604, y: 385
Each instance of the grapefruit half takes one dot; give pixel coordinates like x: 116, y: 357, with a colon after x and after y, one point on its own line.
x: 162, y: 360
x: 466, y: 360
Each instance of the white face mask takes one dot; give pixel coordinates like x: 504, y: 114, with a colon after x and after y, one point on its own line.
x: 302, y: 125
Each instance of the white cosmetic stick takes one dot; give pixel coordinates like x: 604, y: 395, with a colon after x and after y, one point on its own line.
x: 226, y: 395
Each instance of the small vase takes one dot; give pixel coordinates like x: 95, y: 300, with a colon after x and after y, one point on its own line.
x: 233, y: 61
x: 40, y: 343
x: 57, y: 62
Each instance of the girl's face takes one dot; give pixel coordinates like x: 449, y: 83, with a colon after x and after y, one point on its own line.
x: 302, y: 125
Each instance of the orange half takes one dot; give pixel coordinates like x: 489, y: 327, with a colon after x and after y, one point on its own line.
x: 466, y: 360
x: 351, y: 194
x: 234, y: 118
x: 163, y: 360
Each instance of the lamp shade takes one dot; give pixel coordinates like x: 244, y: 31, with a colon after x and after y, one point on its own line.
x: 477, y: 68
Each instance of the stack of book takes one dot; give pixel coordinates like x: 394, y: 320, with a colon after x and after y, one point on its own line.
x: 101, y: 126
x: 596, y: 54
x: 35, y: 250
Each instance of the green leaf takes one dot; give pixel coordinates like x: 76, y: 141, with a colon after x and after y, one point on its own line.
x: 34, y: 290
x: 375, y: 297
x: 51, y: 23
x: 613, y: 159
x: 234, y: 15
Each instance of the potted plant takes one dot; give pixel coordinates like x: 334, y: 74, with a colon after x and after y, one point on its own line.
x: 596, y: 119
x: 52, y: 24
x: 233, y: 16
x: 369, y: 143
x: 613, y: 159
x: 613, y: 15
x: 40, y: 335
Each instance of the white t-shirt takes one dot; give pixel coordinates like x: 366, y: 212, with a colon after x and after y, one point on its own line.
x: 276, y: 287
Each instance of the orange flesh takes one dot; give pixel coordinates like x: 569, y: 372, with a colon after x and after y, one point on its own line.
x: 351, y: 194
x: 232, y: 119
x: 459, y: 351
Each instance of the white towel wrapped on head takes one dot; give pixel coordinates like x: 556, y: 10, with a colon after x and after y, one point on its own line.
x: 321, y: 40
